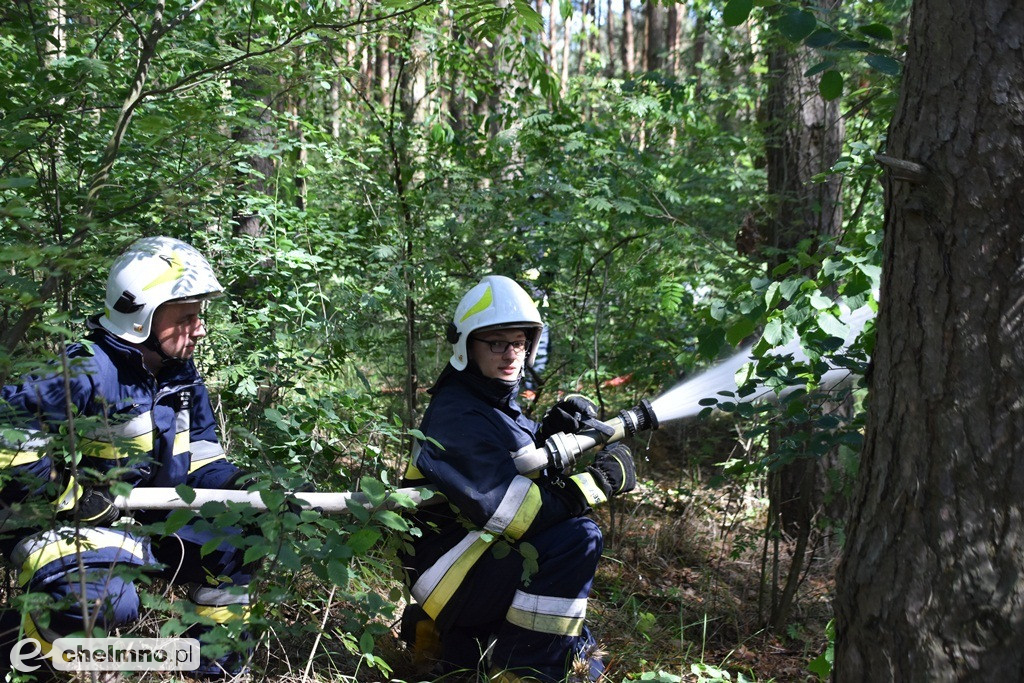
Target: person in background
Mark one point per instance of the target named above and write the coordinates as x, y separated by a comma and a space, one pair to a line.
502, 573
129, 400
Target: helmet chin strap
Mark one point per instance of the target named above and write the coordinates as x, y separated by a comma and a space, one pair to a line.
153, 344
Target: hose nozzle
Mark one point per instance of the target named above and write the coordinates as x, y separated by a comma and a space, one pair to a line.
563, 449
638, 418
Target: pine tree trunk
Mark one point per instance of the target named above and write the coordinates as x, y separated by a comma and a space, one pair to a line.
628, 40
929, 587
803, 138
609, 25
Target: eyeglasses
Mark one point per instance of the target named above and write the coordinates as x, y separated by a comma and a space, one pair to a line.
501, 346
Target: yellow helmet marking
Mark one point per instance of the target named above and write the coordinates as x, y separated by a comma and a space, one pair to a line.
175, 269
482, 305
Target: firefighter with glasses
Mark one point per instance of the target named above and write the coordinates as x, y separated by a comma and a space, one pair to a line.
502, 573
129, 404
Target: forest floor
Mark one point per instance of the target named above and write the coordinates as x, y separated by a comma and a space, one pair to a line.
679, 594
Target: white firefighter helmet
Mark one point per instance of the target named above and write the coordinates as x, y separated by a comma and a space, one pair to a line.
151, 272
497, 302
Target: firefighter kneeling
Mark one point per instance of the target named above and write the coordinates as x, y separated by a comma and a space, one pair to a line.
504, 571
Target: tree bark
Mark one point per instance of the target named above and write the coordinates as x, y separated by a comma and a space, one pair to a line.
609, 27
652, 38
628, 40
803, 138
929, 587
672, 40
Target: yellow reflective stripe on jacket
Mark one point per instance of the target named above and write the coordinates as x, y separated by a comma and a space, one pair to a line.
544, 614
203, 453
412, 472
182, 432
116, 441
225, 613
49, 546
436, 586
517, 510
13, 458
34, 632
120, 449
24, 449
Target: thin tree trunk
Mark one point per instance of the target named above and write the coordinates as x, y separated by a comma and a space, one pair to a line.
672, 40
552, 35
566, 44
803, 138
609, 25
628, 40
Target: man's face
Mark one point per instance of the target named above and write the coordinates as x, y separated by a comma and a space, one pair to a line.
178, 328
507, 363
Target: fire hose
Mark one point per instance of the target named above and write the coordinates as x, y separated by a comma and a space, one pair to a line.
560, 451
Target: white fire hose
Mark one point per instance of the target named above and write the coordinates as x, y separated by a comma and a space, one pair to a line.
157, 498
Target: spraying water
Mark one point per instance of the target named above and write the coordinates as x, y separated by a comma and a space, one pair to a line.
683, 400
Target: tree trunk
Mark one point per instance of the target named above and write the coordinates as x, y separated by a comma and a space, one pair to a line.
586, 21
566, 45
628, 40
552, 36
652, 46
803, 138
700, 39
672, 40
609, 25
929, 587
257, 130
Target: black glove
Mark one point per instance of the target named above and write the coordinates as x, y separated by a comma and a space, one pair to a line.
613, 470
95, 508
241, 481
571, 414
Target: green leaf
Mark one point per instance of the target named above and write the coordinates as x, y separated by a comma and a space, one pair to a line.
797, 24
339, 573
176, 520
876, 31
821, 38
775, 332
186, 493
886, 65
366, 643
821, 66
736, 12
391, 519
831, 85
374, 489
363, 540
739, 331
773, 295
832, 325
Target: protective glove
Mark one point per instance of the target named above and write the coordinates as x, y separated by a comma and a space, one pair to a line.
613, 470
241, 481
572, 414
95, 507
611, 474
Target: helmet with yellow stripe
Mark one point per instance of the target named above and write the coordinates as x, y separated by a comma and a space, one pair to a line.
496, 303
151, 272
